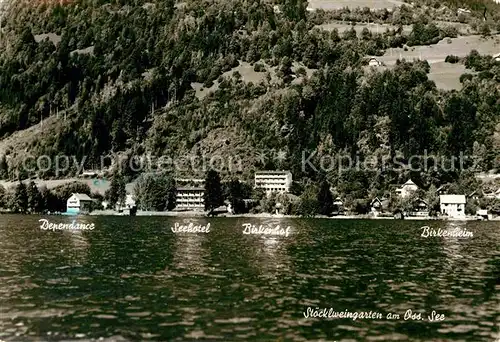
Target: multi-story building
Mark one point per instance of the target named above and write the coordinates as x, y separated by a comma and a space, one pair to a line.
190, 198
273, 181
407, 189
452, 205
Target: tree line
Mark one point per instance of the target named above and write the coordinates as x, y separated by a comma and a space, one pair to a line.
132, 93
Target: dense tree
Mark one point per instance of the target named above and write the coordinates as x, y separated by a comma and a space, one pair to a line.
20, 199
116, 193
34, 198
4, 170
325, 199
213, 191
309, 205
3, 198
236, 196
155, 192
134, 91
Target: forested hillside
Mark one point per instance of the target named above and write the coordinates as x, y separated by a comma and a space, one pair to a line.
111, 76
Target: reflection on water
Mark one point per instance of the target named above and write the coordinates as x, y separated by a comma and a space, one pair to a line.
133, 279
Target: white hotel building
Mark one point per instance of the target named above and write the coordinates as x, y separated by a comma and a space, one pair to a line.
190, 198
453, 205
273, 181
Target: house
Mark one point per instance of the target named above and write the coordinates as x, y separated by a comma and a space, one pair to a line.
475, 195
378, 206
420, 208
338, 207
452, 205
190, 181
190, 198
374, 62
88, 174
442, 189
407, 189
497, 56
463, 11
482, 214
273, 181
79, 203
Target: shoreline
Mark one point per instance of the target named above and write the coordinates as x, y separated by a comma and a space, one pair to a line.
202, 214
268, 215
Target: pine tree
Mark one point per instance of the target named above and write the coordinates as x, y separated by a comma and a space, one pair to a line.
20, 203
2, 197
116, 193
45, 198
309, 205
236, 196
325, 199
4, 169
213, 191
34, 198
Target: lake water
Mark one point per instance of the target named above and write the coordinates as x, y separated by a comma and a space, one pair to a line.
133, 279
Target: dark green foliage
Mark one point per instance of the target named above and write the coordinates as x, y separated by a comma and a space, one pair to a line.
452, 59
155, 192
295, 10
465, 77
236, 196
3, 197
461, 113
35, 204
296, 188
361, 206
484, 29
309, 205
116, 193
134, 92
325, 199
259, 67
423, 34
213, 191
20, 200
4, 170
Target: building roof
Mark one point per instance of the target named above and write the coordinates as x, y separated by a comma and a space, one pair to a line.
82, 197
452, 199
409, 182
475, 192
272, 172
442, 187
422, 203
189, 180
190, 188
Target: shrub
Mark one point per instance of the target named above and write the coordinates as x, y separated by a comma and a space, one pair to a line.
485, 30
465, 77
259, 67
452, 59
